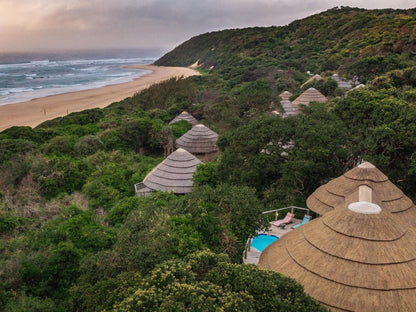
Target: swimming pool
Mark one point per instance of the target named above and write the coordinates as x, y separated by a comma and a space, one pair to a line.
261, 241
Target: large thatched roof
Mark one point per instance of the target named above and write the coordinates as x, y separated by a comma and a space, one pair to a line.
338, 192
285, 95
357, 257
172, 174
199, 140
308, 96
314, 77
185, 116
289, 108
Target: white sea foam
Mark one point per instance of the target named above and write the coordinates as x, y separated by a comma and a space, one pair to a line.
23, 81
17, 95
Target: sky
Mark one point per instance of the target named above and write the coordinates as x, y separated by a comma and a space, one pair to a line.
31, 25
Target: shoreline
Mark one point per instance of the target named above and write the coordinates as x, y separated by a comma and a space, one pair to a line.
36, 111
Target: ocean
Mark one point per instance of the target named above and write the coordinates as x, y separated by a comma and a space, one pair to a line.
26, 76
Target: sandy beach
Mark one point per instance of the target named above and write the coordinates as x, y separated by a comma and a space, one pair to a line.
36, 111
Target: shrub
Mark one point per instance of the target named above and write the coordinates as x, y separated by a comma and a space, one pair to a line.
8, 221
23, 133
60, 145
88, 145
206, 174
13, 147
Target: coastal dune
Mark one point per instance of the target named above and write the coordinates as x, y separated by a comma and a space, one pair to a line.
36, 111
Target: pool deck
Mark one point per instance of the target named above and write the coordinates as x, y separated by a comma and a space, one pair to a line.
253, 255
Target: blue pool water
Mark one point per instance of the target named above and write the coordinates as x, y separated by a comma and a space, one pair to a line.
261, 241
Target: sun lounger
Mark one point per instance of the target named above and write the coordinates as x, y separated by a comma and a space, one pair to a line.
287, 219
305, 220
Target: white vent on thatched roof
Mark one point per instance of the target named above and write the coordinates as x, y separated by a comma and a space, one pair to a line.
364, 182
360, 255
364, 207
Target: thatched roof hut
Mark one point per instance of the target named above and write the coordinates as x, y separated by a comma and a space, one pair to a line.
172, 174
185, 116
337, 192
285, 95
310, 95
344, 84
199, 140
314, 77
289, 109
357, 257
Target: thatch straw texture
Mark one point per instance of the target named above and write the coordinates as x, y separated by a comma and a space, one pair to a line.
343, 84
142, 190
289, 108
341, 190
351, 261
314, 77
199, 140
172, 174
185, 116
285, 95
310, 95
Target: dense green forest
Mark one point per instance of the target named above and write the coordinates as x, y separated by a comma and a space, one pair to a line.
356, 42
73, 237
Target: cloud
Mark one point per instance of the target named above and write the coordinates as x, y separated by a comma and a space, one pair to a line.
147, 23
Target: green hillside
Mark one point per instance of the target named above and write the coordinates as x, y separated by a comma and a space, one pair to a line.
354, 41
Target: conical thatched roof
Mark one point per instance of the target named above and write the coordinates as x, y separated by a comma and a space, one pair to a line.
357, 257
184, 116
314, 77
199, 140
308, 96
172, 174
289, 108
285, 95
337, 192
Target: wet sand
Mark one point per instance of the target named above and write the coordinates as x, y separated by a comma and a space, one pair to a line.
36, 111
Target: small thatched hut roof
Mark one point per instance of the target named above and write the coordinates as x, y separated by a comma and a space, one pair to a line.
310, 95
285, 95
314, 77
337, 192
344, 84
357, 257
199, 140
185, 116
172, 174
289, 108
